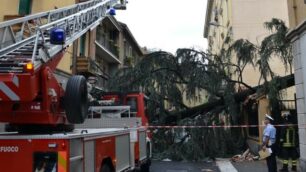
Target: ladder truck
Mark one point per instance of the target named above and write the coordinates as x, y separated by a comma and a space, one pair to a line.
43, 113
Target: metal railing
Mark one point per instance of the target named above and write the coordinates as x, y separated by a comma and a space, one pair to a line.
110, 45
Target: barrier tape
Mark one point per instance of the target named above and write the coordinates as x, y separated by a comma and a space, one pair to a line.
223, 126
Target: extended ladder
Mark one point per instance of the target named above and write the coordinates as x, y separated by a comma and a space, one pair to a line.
27, 39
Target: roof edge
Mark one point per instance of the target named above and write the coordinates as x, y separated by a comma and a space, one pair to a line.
296, 31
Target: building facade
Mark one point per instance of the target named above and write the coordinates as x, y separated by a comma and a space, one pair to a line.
243, 19
298, 38
115, 48
297, 13
231, 20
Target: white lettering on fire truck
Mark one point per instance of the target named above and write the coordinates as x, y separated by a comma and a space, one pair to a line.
9, 149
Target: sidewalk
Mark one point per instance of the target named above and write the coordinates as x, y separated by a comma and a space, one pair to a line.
174, 166
254, 166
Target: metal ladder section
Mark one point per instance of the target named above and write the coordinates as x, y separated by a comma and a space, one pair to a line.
110, 117
108, 111
27, 39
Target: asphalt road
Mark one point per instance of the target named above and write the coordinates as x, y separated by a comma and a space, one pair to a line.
165, 166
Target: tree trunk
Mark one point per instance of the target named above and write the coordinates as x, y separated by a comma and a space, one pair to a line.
239, 97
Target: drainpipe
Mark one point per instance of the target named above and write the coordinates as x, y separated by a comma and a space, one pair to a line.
74, 57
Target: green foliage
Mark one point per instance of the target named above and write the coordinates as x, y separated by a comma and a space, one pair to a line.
275, 45
164, 76
246, 52
197, 143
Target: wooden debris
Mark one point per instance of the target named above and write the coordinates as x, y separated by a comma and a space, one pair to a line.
246, 156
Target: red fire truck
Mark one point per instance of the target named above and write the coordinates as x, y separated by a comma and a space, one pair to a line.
43, 114
112, 138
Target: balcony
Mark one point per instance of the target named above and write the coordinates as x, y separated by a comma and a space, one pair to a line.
109, 52
88, 67
109, 45
129, 61
82, 64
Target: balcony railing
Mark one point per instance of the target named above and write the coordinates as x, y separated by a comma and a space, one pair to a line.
82, 65
86, 65
114, 48
109, 44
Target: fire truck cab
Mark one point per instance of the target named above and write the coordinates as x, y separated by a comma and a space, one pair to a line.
124, 111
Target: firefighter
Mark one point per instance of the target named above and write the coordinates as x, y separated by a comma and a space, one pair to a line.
288, 143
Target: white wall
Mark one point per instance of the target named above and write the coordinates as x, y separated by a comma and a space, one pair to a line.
299, 54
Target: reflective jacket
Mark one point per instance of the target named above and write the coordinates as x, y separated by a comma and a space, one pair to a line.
288, 137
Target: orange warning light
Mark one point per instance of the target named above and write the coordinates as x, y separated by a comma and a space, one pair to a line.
29, 66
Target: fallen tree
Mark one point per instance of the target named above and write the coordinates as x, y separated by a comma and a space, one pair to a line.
172, 80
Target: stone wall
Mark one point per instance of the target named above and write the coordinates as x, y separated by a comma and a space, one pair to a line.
299, 53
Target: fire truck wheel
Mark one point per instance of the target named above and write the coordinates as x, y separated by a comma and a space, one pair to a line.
145, 167
105, 168
76, 99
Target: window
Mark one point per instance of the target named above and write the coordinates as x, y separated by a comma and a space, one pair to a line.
82, 45
25, 7
252, 112
222, 35
221, 11
216, 13
132, 102
127, 49
130, 51
124, 48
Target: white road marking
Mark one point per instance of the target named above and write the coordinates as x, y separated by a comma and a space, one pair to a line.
225, 166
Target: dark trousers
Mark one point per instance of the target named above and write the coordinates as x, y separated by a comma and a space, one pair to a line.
271, 160
288, 153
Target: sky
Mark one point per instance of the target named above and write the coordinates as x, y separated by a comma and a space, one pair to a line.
166, 24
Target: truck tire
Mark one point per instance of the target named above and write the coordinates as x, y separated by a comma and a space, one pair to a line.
76, 99
145, 167
105, 168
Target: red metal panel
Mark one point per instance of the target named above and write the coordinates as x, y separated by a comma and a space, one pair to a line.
136, 150
141, 111
24, 86
17, 155
39, 96
105, 148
